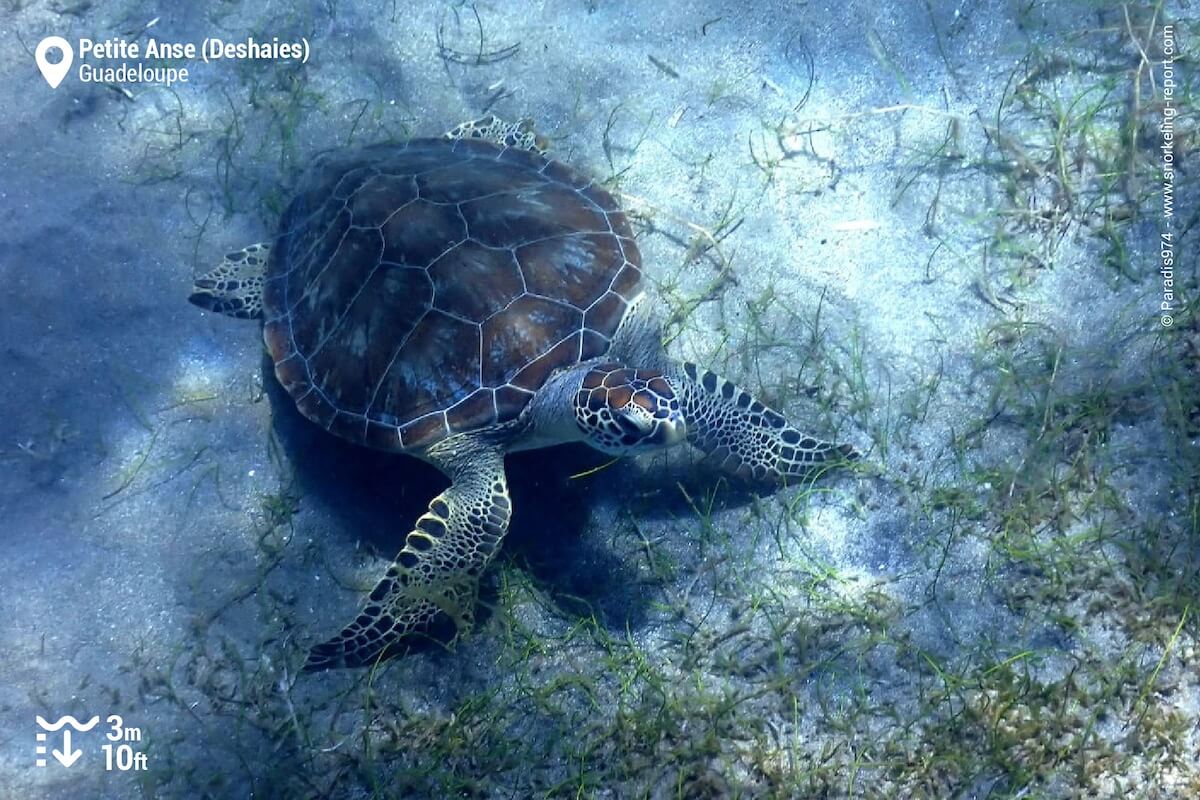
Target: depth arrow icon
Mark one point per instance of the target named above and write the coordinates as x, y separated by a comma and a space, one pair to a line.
65, 756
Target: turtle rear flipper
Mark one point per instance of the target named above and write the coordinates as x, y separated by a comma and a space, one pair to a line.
234, 287
491, 128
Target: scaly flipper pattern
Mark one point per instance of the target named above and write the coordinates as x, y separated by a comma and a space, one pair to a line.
235, 286
436, 575
747, 438
509, 134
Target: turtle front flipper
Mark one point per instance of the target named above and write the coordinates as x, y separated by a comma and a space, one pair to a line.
435, 577
746, 437
234, 287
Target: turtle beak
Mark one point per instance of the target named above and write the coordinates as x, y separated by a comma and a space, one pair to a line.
671, 431
654, 431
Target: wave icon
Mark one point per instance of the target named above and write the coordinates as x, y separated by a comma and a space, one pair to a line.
67, 720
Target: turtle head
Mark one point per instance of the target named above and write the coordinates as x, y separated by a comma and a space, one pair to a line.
623, 411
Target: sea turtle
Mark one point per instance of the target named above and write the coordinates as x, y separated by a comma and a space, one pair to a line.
463, 297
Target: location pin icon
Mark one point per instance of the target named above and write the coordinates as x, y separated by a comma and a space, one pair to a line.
54, 73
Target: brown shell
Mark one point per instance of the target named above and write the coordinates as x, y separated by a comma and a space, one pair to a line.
428, 288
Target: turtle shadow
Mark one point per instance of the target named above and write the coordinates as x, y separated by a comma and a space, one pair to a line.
377, 497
